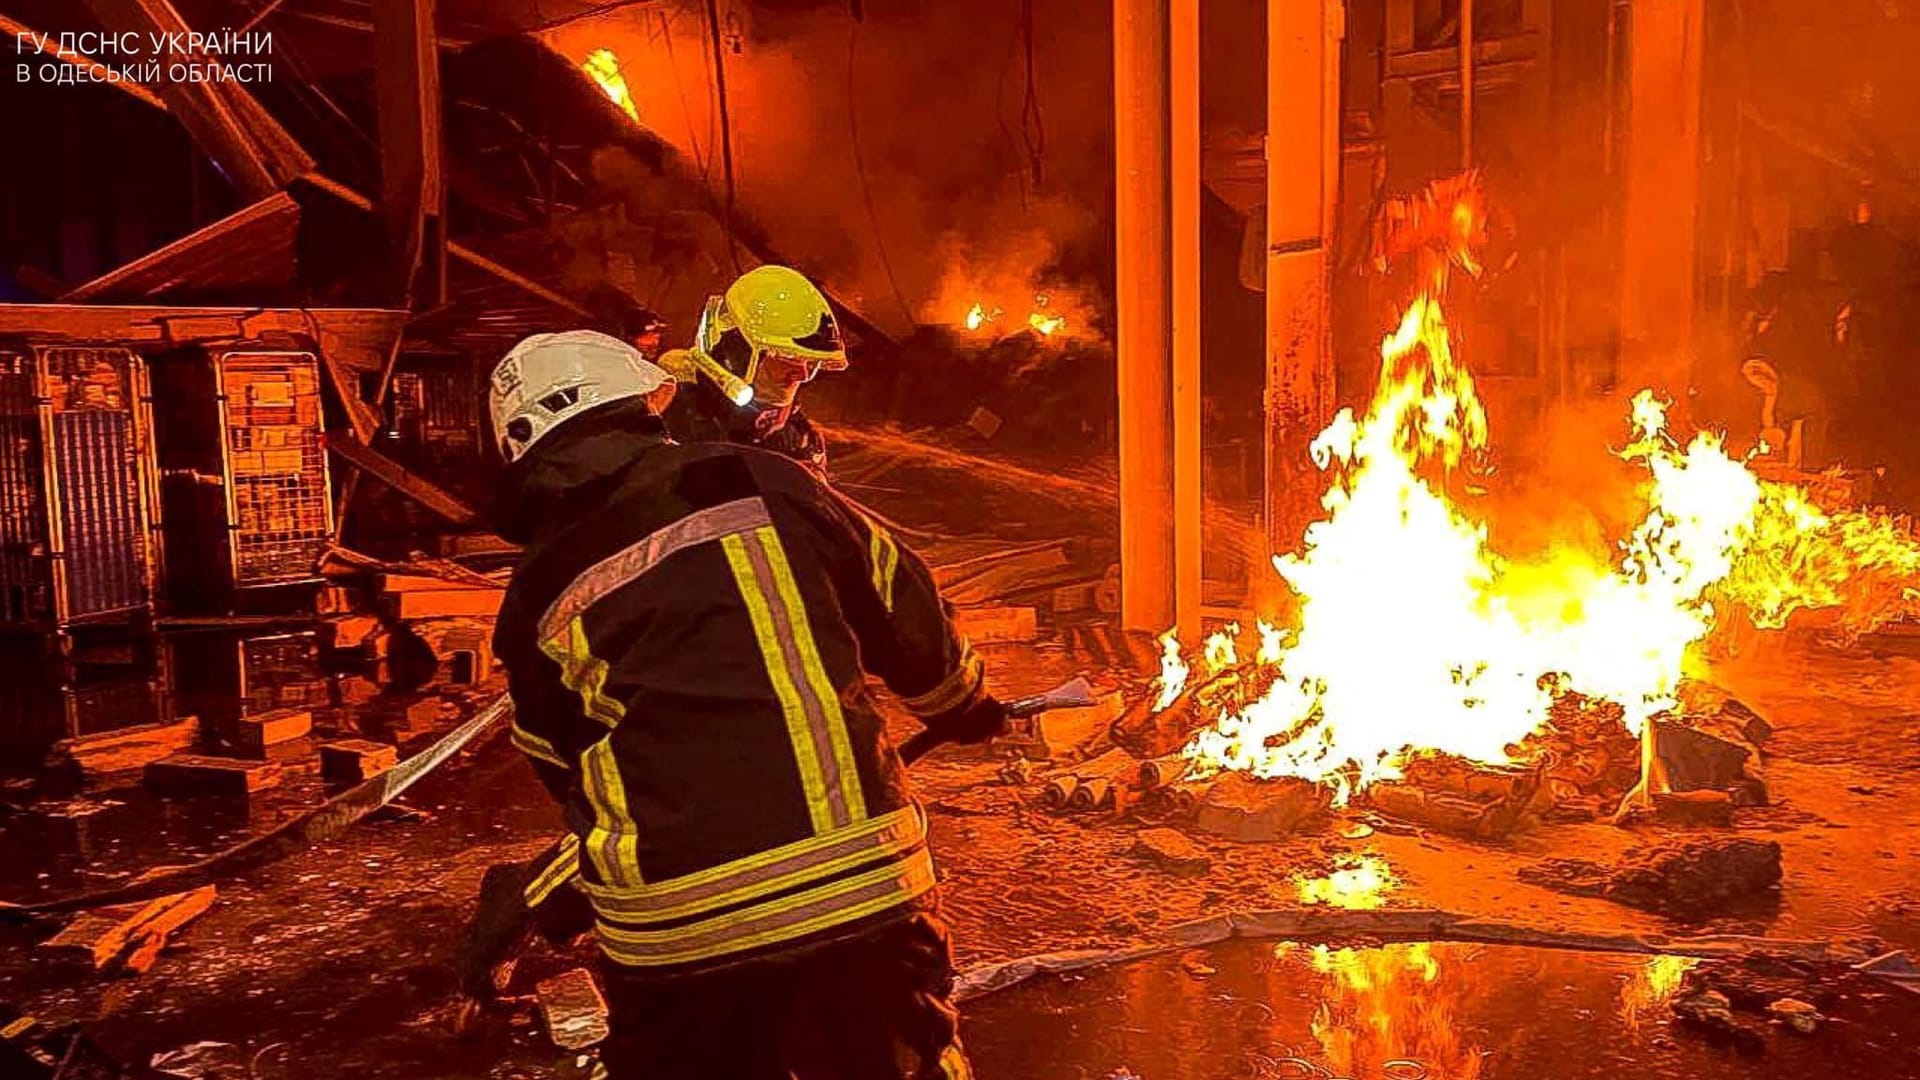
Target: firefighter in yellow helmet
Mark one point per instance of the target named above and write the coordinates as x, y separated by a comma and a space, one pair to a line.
769, 334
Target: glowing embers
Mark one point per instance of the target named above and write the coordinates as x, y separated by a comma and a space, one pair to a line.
603, 67
1042, 320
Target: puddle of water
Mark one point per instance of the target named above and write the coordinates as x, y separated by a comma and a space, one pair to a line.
1398, 1012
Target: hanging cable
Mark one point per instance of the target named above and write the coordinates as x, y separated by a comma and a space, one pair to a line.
1033, 129
726, 127
700, 156
1000, 113
860, 170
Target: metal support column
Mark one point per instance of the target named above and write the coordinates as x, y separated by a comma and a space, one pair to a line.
1303, 161
1184, 95
1466, 84
412, 183
1143, 303
1657, 266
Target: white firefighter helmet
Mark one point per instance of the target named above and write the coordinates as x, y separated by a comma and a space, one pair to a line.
548, 379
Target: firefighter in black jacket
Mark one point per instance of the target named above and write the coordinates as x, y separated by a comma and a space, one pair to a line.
685, 643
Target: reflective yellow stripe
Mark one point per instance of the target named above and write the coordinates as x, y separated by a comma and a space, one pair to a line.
582, 672
953, 1062
16, 1027
613, 842
775, 921
954, 690
774, 654
565, 864
796, 865
884, 558
816, 674
534, 746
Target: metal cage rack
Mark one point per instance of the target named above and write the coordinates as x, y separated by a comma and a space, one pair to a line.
76, 478
279, 506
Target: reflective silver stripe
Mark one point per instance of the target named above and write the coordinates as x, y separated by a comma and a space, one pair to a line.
782, 919
628, 564
784, 868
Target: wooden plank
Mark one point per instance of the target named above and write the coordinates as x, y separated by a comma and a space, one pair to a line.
350, 761
446, 603
188, 775
158, 324
266, 226
460, 252
124, 750
253, 151
406, 75
396, 476
261, 730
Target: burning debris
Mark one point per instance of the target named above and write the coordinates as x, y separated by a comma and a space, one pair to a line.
603, 67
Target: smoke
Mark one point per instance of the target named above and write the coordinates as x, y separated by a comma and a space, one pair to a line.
878, 154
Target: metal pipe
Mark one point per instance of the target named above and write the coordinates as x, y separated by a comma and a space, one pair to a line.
1466, 84
1184, 95
1143, 312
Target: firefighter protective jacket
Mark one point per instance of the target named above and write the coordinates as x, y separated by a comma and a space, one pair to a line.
685, 644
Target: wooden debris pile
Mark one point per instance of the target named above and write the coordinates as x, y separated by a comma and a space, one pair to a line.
1578, 766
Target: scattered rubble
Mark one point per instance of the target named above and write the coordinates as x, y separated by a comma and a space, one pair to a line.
1694, 877
997, 625
1172, 851
573, 1010
1460, 797
1710, 1014
1239, 807
128, 937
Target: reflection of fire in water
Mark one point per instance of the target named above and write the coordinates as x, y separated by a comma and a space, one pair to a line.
1386, 1013
1357, 883
1413, 633
603, 66
1652, 986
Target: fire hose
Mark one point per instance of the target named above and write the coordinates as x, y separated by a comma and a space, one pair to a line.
341, 812
514, 897
323, 822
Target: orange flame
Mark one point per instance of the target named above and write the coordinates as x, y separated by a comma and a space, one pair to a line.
603, 67
1655, 984
1413, 633
1357, 883
1048, 325
1386, 1011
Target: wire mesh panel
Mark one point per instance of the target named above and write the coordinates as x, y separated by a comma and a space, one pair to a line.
73, 520
280, 510
26, 580
96, 480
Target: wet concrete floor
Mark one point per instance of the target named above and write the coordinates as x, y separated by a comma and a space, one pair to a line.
1400, 1012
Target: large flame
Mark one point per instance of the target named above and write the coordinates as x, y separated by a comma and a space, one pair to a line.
1413, 634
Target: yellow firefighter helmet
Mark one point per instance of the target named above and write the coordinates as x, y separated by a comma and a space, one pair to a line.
772, 330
